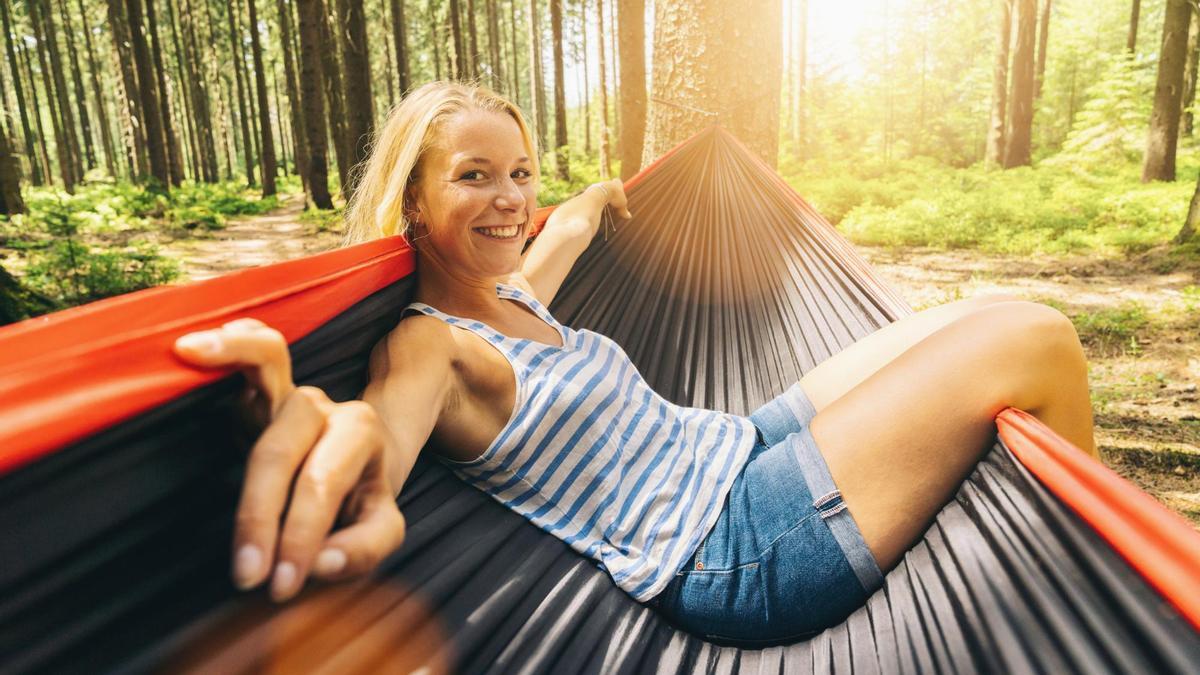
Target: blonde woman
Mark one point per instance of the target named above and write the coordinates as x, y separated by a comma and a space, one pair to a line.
767, 527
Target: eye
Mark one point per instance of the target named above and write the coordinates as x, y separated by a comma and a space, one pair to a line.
522, 173
471, 175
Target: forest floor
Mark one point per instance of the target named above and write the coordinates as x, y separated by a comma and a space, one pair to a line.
1139, 319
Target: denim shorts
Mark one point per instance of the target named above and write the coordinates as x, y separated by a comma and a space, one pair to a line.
785, 559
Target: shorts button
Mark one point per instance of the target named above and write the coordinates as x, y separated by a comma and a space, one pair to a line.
699, 565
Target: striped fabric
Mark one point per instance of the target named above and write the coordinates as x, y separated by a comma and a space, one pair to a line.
595, 457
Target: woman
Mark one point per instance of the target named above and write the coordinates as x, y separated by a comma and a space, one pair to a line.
761, 528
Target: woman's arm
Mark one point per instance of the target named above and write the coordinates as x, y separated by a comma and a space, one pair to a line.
567, 233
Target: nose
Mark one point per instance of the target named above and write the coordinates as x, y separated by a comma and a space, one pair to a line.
508, 195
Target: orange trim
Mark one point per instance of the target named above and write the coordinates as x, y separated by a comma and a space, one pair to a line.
1159, 544
72, 373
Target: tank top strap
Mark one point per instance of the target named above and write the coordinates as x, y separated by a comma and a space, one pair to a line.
507, 291
478, 327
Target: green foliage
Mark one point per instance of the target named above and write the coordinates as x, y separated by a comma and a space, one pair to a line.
323, 220
1049, 209
72, 273
1112, 330
1112, 125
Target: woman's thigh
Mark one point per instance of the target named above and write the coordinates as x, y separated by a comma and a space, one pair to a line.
841, 372
900, 442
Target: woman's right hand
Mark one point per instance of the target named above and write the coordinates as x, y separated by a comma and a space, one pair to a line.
317, 463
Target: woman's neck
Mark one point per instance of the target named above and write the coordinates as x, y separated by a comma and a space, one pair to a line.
453, 291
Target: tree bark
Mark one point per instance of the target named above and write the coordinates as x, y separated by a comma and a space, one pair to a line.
311, 94
1134, 14
460, 57
332, 78
435, 37
400, 40
562, 167
110, 160
1190, 226
1018, 151
605, 165
283, 146
35, 167
1163, 138
996, 131
515, 69
1043, 42
191, 145
174, 159
201, 116
239, 59
388, 70
494, 60
631, 20
472, 41
85, 122
537, 97
11, 201
295, 108
587, 104
1189, 74
734, 81
152, 113
360, 106
264, 109
47, 171
53, 83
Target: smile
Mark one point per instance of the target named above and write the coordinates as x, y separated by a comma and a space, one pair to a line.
503, 232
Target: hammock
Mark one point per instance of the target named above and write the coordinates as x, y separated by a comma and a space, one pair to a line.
118, 478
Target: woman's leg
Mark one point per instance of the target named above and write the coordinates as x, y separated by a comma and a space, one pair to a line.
841, 372
900, 442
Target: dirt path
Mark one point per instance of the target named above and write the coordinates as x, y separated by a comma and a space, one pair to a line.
1141, 329
250, 241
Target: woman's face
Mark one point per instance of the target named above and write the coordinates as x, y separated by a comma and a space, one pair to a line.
475, 194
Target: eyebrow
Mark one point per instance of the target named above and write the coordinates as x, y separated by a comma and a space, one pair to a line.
484, 160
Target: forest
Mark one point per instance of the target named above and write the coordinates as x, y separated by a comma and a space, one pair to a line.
963, 146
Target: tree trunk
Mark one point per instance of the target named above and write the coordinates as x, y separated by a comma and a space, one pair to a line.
47, 171
587, 104
213, 71
52, 82
1189, 74
10, 179
605, 165
283, 146
201, 117
190, 148
734, 82
562, 168
311, 94
1018, 151
632, 24
472, 41
332, 78
996, 130
494, 60
152, 114
515, 69
360, 106
264, 109
97, 94
399, 30
1192, 224
460, 57
1134, 14
239, 60
389, 71
1043, 42
435, 37
1163, 137
135, 133
35, 167
85, 122
537, 95
612, 67
296, 109
174, 159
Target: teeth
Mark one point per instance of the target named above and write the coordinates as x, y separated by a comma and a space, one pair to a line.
501, 232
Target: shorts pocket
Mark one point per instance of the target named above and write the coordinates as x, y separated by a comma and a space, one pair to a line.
721, 604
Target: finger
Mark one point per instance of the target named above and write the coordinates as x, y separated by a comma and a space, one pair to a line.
331, 469
261, 352
360, 548
273, 462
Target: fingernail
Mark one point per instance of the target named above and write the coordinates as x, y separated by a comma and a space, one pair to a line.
246, 566
204, 343
330, 561
284, 582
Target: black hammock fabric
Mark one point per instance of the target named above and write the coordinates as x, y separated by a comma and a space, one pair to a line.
724, 290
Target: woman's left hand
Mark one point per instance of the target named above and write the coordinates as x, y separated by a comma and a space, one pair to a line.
583, 211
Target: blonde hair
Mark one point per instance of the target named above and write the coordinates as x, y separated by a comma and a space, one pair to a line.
377, 207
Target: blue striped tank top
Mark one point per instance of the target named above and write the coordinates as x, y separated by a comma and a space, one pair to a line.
592, 455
